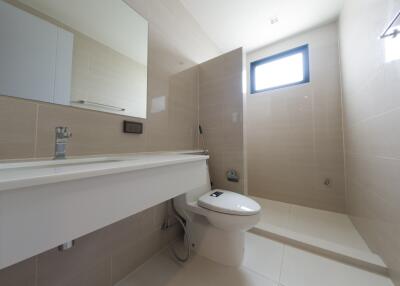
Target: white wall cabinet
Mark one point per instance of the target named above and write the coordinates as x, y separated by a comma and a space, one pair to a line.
35, 57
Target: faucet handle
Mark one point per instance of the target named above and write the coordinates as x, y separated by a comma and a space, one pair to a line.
67, 134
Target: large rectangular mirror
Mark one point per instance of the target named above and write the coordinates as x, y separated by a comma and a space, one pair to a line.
85, 53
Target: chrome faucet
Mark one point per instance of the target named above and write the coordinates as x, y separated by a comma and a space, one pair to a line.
62, 135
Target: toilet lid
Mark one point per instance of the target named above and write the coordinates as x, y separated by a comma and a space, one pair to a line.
229, 203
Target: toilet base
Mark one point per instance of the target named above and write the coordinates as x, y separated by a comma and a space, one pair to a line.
224, 247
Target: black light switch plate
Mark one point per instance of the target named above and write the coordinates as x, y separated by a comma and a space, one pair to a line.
133, 127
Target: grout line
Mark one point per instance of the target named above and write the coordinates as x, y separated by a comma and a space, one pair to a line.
56, 60
111, 269
253, 272
36, 282
342, 116
281, 266
36, 131
156, 254
290, 220
382, 113
199, 136
369, 157
281, 261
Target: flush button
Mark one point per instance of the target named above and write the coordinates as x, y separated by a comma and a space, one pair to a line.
216, 194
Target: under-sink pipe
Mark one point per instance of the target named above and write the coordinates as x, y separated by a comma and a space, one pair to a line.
183, 223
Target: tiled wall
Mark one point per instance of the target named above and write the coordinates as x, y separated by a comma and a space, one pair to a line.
27, 129
371, 97
171, 124
221, 117
294, 135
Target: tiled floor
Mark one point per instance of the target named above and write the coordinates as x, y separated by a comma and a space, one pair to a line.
323, 230
266, 263
324, 225
269, 262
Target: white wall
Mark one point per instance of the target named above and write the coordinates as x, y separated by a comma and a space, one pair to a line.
294, 134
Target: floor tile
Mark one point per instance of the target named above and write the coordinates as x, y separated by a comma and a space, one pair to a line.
329, 226
267, 262
274, 212
301, 268
162, 270
263, 256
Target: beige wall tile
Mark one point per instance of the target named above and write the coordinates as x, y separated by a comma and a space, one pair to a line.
294, 135
21, 274
18, 128
371, 130
221, 117
98, 275
61, 268
92, 132
131, 256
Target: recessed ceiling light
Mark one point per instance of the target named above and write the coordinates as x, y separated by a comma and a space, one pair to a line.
273, 20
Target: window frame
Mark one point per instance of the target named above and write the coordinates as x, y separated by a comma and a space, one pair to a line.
304, 49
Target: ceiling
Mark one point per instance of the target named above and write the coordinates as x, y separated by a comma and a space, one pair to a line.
247, 23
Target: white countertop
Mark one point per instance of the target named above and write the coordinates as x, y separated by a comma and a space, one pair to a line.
21, 174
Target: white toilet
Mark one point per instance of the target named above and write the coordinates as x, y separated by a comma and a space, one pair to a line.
217, 221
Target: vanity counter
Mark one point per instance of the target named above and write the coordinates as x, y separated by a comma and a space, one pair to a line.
44, 204
15, 175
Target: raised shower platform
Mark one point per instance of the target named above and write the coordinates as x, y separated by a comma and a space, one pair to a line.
322, 232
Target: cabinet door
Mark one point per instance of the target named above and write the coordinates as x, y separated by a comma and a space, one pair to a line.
29, 56
63, 77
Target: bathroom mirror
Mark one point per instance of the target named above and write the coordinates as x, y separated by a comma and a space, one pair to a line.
89, 54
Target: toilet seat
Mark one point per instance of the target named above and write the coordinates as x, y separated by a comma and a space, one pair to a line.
230, 203
217, 221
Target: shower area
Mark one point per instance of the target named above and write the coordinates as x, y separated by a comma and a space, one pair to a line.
296, 157
321, 157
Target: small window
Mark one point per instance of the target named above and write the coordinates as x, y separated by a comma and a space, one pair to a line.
282, 70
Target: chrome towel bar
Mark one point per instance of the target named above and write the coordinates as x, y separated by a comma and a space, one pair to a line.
86, 102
